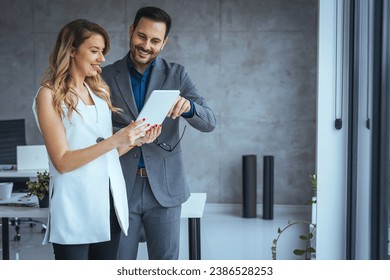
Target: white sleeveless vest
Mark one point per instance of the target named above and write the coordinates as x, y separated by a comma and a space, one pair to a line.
79, 199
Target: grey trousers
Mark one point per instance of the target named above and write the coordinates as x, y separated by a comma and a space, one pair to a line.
161, 225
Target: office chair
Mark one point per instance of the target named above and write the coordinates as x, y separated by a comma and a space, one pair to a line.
32, 223
12, 134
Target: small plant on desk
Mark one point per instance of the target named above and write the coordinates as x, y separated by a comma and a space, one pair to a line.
39, 187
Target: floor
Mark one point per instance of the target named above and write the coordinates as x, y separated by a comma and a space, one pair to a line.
225, 235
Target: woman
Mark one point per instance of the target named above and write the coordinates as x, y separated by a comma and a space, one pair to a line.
88, 201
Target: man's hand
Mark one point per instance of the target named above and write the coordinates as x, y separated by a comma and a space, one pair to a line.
181, 106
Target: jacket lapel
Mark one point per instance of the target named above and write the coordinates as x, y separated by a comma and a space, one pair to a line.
123, 81
157, 77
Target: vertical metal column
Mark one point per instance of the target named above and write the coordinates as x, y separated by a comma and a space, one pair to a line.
268, 187
380, 133
194, 238
5, 234
249, 182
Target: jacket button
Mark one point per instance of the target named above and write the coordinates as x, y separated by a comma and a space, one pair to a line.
135, 155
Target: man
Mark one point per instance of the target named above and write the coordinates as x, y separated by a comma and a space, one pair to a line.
154, 173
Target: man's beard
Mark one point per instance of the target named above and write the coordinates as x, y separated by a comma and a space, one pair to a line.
136, 58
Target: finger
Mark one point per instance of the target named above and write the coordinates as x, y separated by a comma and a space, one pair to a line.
152, 134
185, 107
135, 134
173, 106
158, 131
137, 123
140, 129
178, 108
142, 139
147, 133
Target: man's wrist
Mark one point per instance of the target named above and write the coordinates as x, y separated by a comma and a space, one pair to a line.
190, 113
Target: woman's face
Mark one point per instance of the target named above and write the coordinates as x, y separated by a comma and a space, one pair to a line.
89, 56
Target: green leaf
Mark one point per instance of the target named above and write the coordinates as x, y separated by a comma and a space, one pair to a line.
40, 187
311, 250
303, 237
299, 252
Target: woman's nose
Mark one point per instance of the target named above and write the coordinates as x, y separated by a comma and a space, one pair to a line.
101, 57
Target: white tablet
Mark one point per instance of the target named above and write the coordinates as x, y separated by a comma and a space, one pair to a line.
158, 105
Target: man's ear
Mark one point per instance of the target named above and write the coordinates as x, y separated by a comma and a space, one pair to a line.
164, 43
131, 30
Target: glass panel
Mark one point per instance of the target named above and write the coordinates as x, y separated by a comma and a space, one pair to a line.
386, 88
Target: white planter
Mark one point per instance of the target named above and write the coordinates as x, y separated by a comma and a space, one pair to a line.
314, 210
313, 242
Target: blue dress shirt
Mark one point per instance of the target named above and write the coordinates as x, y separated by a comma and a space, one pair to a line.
139, 83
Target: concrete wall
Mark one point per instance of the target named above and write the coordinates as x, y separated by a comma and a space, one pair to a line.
255, 61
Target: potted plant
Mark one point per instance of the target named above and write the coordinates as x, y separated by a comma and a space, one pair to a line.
308, 252
40, 188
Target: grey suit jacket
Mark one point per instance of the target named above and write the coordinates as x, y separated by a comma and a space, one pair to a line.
165, 169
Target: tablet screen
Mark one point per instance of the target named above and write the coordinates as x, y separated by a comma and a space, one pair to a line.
158, 105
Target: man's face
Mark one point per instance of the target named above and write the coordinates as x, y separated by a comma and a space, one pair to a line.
146, 42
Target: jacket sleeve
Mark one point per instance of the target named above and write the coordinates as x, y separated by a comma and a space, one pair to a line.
204, 118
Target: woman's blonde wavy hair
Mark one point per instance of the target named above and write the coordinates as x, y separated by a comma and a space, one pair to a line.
57, 77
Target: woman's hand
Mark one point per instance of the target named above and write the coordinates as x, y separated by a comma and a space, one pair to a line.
144, 137
131, 135
152, 133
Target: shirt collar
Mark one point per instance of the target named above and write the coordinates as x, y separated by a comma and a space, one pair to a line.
131, 65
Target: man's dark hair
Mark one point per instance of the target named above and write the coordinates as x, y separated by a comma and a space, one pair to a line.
155, 14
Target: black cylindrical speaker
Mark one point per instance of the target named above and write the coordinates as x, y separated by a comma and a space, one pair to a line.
249, 186
268, 188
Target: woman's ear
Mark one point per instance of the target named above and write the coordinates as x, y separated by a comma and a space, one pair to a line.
72, 52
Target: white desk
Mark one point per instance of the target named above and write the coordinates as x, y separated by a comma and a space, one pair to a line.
19, 173
7, 212
192, 209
